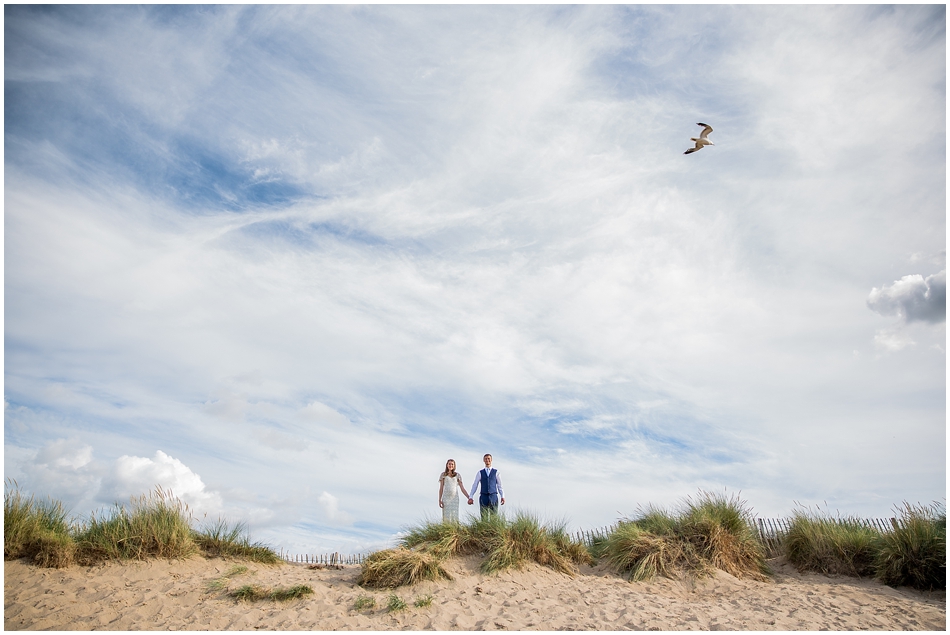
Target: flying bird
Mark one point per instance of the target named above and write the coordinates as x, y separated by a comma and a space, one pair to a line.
702, 140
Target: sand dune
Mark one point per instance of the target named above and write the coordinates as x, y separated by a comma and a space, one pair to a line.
174, 595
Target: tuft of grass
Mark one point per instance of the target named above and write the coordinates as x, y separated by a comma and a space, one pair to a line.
712, 531
292, 593
721, 532
424, 601
224, 539
640, 554
238, 569
441, 539
364, 602
36, 529
817, 541
251, 593
915, 554
505, 543
391, 568
524, 539
395, 603
219, 584
153, 525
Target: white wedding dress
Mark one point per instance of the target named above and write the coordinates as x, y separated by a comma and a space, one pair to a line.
450, 498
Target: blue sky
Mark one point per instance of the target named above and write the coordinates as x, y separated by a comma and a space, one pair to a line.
287, 260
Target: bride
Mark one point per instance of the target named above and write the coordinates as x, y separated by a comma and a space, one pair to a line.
449, 484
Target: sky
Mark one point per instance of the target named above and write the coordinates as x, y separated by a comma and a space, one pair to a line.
286, 261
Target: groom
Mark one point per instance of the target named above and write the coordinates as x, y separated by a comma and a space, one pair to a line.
490, 482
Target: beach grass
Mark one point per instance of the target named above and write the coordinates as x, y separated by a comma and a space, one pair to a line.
395, 603
253, 593
391, 568
514, 543
423, 601
640, 554
915, 553
817, 541
224, 539
219, 584
364, 602
36, 529
441, 539
710, 531
154, 525
504, 543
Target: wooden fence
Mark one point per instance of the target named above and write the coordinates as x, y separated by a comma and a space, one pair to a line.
326, 559
771, 532
590, 536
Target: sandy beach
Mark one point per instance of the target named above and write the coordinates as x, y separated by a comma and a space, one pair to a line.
175, 595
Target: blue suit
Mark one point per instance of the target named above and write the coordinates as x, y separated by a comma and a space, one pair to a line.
488, 498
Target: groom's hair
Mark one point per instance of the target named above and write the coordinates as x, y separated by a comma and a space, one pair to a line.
487, 455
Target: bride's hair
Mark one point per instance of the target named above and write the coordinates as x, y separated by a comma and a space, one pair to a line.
447, 472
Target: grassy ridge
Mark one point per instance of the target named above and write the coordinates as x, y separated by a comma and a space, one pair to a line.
705, 533
913, 554
502, 542
152, 525
709, 532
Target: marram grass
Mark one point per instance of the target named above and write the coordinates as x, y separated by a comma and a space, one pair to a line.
153, 525
253, 593
391, 568
364, 602
223, 539
395, 603
912, 554
502, 542
817, 541
915, 554
149, 526
36, 529
710, 532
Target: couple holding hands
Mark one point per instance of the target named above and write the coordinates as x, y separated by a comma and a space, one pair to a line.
450, 482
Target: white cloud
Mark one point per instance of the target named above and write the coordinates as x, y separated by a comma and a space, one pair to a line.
65, 470
913, 298
63, 454
322, 413
331, 507
892, 340
280, 440
227, 405
136, 475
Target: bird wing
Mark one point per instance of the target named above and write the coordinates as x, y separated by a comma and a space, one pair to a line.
698, 147
706, 130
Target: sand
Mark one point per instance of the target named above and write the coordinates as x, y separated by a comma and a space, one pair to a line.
174, 595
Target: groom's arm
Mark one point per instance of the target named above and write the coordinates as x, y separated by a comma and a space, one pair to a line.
471, 492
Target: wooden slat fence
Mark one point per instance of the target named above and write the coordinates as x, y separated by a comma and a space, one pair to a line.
329, 559
771, 532
590, 536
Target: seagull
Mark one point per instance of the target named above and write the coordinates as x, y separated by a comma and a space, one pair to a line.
702, 140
